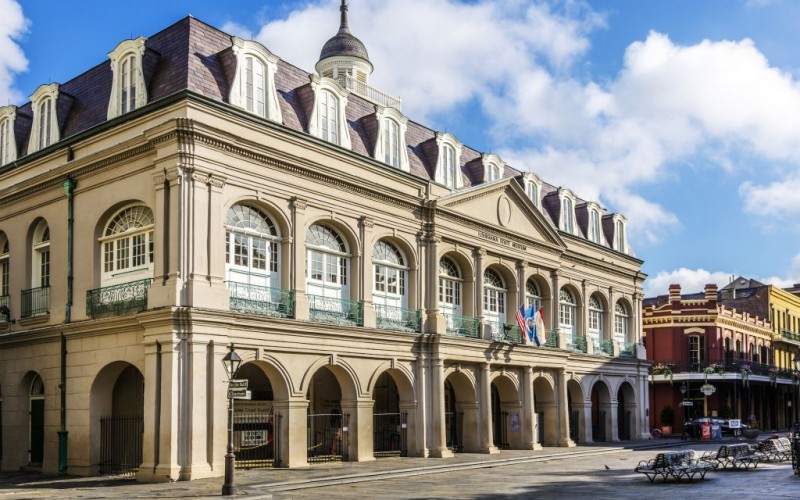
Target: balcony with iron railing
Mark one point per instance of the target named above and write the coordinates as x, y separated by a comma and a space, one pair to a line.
577, 343
398, 318
627, 349
335, 311
368, 92
463, 326
261, 300
35, 302
790, 336
603, 347
721, 367
504, 332
5, 316
118, 300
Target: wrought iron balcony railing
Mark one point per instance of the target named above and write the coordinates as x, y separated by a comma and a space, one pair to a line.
463, 326
398, 318
577, 343
118, 300
505, 332
336, 311
627, 349
790, 335
603, 347
35, 302
712, 367
4, 317
552, 338
261, 300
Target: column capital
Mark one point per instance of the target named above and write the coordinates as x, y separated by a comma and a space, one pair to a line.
299, 204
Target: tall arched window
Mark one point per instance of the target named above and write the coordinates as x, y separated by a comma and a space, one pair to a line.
494, 297
566, 214
596, 319
328, 117
4, 269
620, 241
449, 166
251, 247
327, 261
594, 226
45, 119
128, 246
7, 148
128, 82
621, 318
566, 313
41, 256
533, 297
532, 190
391, 142
254, 84
494, 172
450, 283
390, 270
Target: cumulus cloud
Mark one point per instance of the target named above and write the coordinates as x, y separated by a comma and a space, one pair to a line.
13, 26
775, 199
690, 280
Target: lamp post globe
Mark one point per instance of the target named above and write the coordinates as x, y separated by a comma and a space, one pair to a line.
683, 404
231, 362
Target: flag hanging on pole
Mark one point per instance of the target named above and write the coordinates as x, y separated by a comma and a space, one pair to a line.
521, 322
539, 328
530, 323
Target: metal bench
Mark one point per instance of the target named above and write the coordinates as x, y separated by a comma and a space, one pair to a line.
676, 464
735, 456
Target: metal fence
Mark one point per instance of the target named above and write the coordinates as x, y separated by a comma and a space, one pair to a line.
336, 311
35, 301
261, 300
121, 445
118, 300
328, 437
463, 326
454, 431
389, 434
398, 318
255, 442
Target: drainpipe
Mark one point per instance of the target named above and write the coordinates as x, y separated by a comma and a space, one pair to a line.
69, 188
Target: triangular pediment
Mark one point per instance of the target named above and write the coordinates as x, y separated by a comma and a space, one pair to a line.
502, 206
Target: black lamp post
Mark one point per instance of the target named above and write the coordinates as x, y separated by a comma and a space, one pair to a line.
231, 362
683, 403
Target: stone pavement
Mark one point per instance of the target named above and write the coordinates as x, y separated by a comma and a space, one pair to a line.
598, 470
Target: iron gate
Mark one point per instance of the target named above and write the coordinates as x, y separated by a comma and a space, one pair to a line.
389, 434
255, 442
121, 444
454, 430
327, 437
500, 431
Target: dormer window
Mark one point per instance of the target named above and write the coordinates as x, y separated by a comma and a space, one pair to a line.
328, 118
390, 146
594, 225
391, 142
493, 167
128, 91
567, 217
44, 130
620, 240
448, 161
8, 144
254, 86
328, 111
533, 189
494, 172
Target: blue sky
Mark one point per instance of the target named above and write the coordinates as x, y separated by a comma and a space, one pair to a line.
683, 115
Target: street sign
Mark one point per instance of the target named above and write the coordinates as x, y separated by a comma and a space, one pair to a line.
238, 394
735, 423
238, 383
686, 403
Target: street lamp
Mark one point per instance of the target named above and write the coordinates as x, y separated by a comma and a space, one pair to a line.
231, 362
683, 403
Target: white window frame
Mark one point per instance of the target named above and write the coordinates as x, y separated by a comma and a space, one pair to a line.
621, 323
44, 129
567, 313
620, 236
41, 270
389, 276
493, 167
566, 221
324, 89
118, 249
5, 268
386, 117
450, 286
448, 162
533, 188
596, 318
594, 224
494, 296
533, 295
329, 259
244, 240
127, 78
248, 52
8, 141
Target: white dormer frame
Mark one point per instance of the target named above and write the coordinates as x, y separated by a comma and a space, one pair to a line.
382, 114
123, 77
443, 140
620, 243
594, 223
320, 85
490, 162
566, 217
8, 141
244, 49
531, 182
45, 118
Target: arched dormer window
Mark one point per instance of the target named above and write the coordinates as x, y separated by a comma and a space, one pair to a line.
328, 117
533, 189
621, 322
390, 276
251, 247
448, 164
493, 167
254, 88
596, 319
128, 246
391, 142
44, 130
567, 214
567, 320
594, 225
494, 172
620, 238
128, 89
8, 143
390, 147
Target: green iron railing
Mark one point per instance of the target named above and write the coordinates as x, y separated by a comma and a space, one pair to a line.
35, 301
398, 318
627, 349
604, 347
261, 300
463, 326
4, 317
552, 338
577, 343
118, 300
790, 335
336, 311
504, 332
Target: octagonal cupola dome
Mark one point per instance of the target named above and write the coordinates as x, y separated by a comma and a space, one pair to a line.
344, 55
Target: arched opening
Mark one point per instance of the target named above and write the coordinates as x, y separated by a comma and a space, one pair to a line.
36, 422
117, 416
626, 411
575, 408
393, 396
546, 410
327, 425
461, 413
255, 421
601, 412
392, 287
506, 414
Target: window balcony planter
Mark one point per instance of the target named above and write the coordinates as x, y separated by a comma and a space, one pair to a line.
118, 300
506, 333
463, 326
336, 311
398, 318
261, 300
35, 302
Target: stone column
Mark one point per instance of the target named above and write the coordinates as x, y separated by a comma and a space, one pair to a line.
563, 410
168, 281
359, 428
584, 421
299, 258
290, 430
438, 432
479, 255
612, 420
485, 406
551, 425
366, 225
437, 323
528, 420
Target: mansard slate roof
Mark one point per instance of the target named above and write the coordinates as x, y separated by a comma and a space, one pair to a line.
192, 55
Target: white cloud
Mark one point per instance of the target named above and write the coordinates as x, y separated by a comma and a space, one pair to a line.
775, 199
13, 26
690, 280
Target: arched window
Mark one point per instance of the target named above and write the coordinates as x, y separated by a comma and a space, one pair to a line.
494, 172
532, 190
533, 297
41, 256
389, 265
753, 353
45, 121
254, 84
128, 246
596, 319
391, 142
620, 241
449, 287
328, 116
594, 226
128, 83
566, 214
566, 313
621, 319
494, 298
7, 147
251, 247
327, 261
449, 166
4, 269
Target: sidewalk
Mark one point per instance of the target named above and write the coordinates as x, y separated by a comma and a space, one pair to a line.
261, 483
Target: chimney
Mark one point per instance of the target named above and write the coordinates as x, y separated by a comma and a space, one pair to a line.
674, 294
711, 295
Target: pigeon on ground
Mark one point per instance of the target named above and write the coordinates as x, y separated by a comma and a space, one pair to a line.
607, 467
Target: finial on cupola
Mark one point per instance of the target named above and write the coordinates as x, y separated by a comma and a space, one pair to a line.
343, 27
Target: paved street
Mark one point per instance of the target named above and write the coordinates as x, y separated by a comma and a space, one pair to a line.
582, 472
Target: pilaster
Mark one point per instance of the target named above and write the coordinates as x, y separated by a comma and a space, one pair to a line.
360, 436
485, 405
439, 432
299, 258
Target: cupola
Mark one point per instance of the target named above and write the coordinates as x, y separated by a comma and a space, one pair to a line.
344, 57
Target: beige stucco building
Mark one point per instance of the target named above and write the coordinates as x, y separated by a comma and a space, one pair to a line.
195, 192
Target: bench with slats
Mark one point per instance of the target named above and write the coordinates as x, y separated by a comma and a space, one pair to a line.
735, 456
676, 464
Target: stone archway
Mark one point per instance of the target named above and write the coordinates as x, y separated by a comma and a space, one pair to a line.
393, 418
334, 413
256, 428
461, 413
601, 413
506, 414
546, 410
626, 412
576, 407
